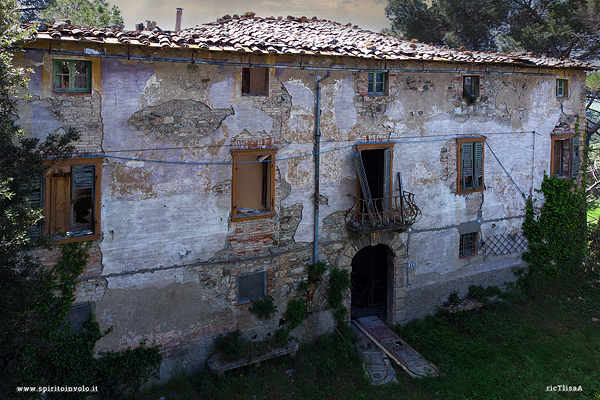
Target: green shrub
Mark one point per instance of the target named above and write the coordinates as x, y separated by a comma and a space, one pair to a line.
295, 313
232, 346
315, 271
264, 308
453, 298
477, 292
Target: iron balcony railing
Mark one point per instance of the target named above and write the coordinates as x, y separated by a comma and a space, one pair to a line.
384, 214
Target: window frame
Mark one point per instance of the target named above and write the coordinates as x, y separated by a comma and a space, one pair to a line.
562, 91
475, 86
459, 183
372, 83
247, 87
96, 162
246, 300
56, 69
562, 137
270, 196
473, 246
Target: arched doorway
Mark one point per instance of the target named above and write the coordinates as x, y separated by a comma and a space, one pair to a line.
371, 267
396, 270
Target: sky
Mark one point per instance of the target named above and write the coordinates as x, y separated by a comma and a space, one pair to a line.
367, 14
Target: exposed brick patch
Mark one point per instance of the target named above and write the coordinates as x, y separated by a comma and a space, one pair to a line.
252, 237
179, 119
82, 112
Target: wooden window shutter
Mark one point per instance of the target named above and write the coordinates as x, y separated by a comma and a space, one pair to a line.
556, 156
387, 192
478, 165
476, 86
58, 200
466, 170
575, 157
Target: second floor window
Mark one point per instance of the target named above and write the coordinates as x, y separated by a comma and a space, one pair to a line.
253, 183
72, 76
255, 81
470, 165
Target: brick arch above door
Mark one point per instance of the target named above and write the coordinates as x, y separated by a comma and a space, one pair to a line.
390, 239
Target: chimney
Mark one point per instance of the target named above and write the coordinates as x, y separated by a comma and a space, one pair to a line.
178, 20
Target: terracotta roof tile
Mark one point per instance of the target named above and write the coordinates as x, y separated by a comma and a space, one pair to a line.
293, 35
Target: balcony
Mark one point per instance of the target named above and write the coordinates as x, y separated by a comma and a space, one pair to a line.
395, 213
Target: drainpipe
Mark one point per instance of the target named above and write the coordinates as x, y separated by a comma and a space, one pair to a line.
318, 162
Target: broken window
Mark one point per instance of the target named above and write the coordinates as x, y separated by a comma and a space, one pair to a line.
70, 194
251, 287
72, 76
470, 87
377, 83
468, 245
77, 317
253, 182
561, 88
565, 156
255, 81
470, 165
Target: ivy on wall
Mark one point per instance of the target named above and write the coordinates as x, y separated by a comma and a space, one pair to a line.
57, 357
556, 233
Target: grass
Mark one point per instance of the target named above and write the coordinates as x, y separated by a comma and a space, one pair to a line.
511, 350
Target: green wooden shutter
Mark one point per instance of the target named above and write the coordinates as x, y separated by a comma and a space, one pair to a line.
575, 157
466, 170
478, 182
33, 190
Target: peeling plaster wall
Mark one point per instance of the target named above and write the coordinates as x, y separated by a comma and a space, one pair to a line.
166, 266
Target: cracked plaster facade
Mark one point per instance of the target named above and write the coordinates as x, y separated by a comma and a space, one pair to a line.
165, 267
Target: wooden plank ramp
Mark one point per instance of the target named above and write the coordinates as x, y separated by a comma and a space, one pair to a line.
396, 348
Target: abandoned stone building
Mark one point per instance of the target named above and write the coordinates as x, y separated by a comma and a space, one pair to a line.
216, 162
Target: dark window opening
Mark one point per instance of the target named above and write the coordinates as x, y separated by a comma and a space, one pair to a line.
255, 81
374, 165
77, 317
468, 245
470, 87
251, 287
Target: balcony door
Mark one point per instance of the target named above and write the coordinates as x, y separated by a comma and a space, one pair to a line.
374, 171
